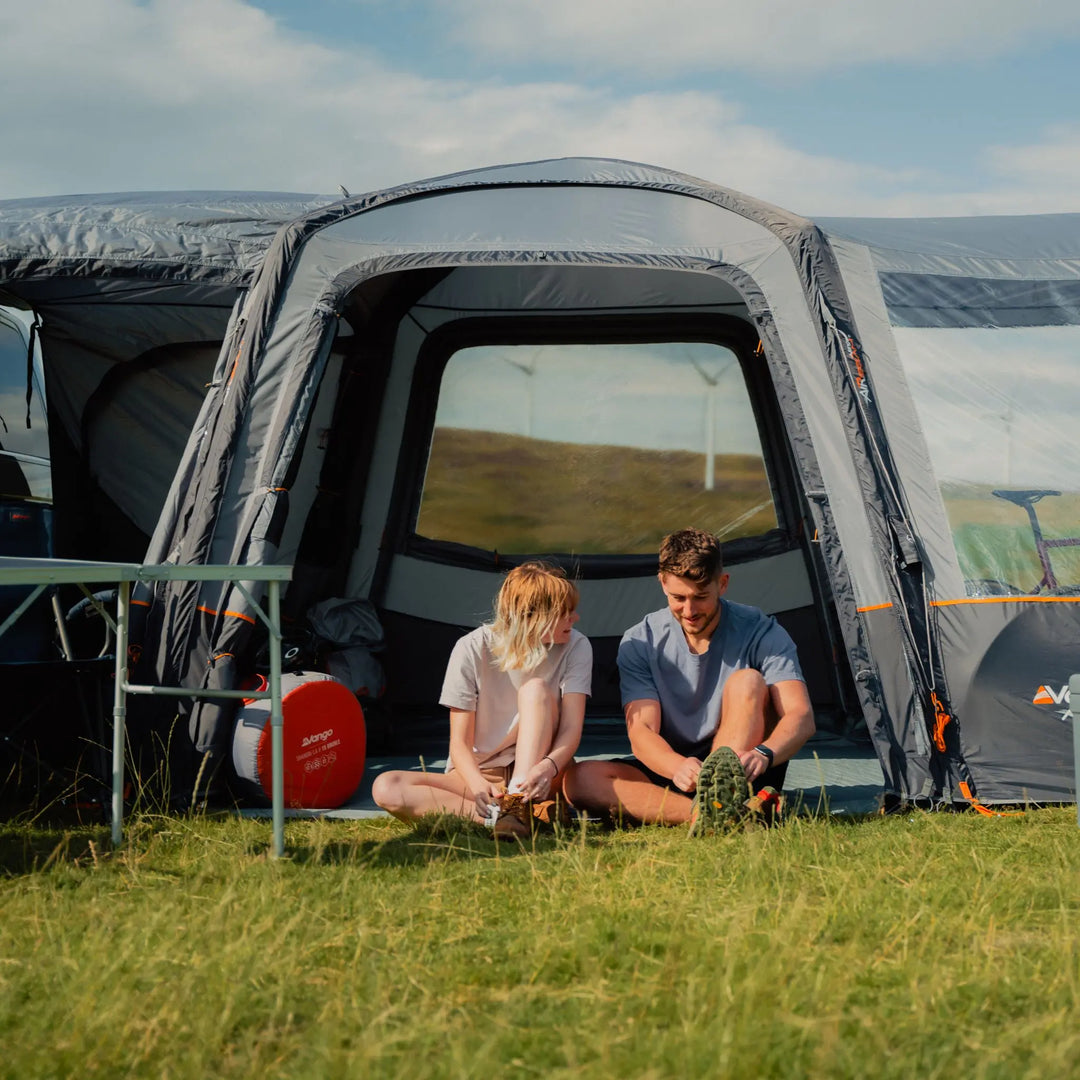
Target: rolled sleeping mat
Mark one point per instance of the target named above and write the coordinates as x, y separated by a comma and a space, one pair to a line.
323, 736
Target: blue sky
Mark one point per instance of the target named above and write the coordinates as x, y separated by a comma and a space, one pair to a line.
839, 107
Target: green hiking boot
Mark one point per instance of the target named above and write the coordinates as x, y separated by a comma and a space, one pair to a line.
722, 793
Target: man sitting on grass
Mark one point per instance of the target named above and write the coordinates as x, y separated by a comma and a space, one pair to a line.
713, 695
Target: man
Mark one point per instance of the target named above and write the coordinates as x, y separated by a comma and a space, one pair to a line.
701, 674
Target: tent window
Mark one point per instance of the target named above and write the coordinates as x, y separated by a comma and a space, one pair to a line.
24, 451
597, 449
1000, 409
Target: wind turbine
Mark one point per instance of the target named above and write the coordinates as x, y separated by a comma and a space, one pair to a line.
711, 383
529, 370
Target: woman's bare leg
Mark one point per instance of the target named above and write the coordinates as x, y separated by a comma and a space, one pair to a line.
410, 795
538, 710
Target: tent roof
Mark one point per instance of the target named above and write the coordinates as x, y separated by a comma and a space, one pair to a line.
1028, 245
208, 233
214, 236
576, 170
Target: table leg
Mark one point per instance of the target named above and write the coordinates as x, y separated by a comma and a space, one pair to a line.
123, 597
277, 719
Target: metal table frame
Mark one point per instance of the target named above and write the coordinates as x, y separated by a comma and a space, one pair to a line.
45, 573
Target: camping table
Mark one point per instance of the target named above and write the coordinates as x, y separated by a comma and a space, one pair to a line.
44, 573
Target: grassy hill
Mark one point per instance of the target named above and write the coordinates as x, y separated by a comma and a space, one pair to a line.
513, 494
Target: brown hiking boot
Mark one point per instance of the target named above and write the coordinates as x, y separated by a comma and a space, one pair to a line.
553, 812
515, 818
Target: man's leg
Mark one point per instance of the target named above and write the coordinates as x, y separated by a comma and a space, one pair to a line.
618, 789
746, 711
747, 717
410, 795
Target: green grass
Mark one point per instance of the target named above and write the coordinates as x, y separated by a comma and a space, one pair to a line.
921, 945
512, 494
994, 540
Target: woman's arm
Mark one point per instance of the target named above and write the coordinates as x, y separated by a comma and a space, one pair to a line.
462, 730
568, 733
564, 744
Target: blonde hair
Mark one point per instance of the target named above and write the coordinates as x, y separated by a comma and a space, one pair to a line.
534, 597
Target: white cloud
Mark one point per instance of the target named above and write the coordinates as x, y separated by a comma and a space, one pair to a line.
778, 35
180, 94
1047, 171
1041, 177
130, 96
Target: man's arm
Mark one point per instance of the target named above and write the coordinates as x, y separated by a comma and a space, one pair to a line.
653, 750
794, 725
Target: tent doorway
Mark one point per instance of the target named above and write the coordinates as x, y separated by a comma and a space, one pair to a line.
582, 438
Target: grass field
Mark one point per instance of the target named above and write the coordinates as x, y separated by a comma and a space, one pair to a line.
509, 493
923, 945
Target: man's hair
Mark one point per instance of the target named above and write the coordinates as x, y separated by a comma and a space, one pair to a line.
693, 554
534, 598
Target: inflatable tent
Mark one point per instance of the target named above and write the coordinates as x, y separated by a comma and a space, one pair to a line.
416, 388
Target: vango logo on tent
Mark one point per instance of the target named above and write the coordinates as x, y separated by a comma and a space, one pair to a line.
1047, 695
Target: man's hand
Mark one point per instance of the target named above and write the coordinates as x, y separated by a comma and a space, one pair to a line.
753, 763
685, 776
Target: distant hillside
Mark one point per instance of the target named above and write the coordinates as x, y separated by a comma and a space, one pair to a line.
515, 494
993, 537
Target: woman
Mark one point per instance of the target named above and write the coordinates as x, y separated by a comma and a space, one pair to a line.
516, 692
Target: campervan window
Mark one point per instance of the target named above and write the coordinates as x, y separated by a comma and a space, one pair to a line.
24, 450
1000, 409
597, 449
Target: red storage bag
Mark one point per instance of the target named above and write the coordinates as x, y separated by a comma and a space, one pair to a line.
323, 736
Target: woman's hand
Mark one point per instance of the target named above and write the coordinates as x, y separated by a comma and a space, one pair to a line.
485, 795
538, 782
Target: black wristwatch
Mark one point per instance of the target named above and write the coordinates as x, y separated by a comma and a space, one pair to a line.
764, 751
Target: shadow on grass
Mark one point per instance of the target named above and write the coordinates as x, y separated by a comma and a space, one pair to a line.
435, 839
34, 846
29, 849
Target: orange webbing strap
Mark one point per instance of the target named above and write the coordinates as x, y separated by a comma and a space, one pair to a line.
941, 720
980, 809
860, 371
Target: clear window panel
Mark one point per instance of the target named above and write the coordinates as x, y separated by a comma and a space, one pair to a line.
1000, 409
593, 449
24, 451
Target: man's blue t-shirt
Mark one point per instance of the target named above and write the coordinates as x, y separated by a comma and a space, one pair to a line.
656, 664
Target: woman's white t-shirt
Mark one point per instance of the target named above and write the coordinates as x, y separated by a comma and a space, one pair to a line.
474, 683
